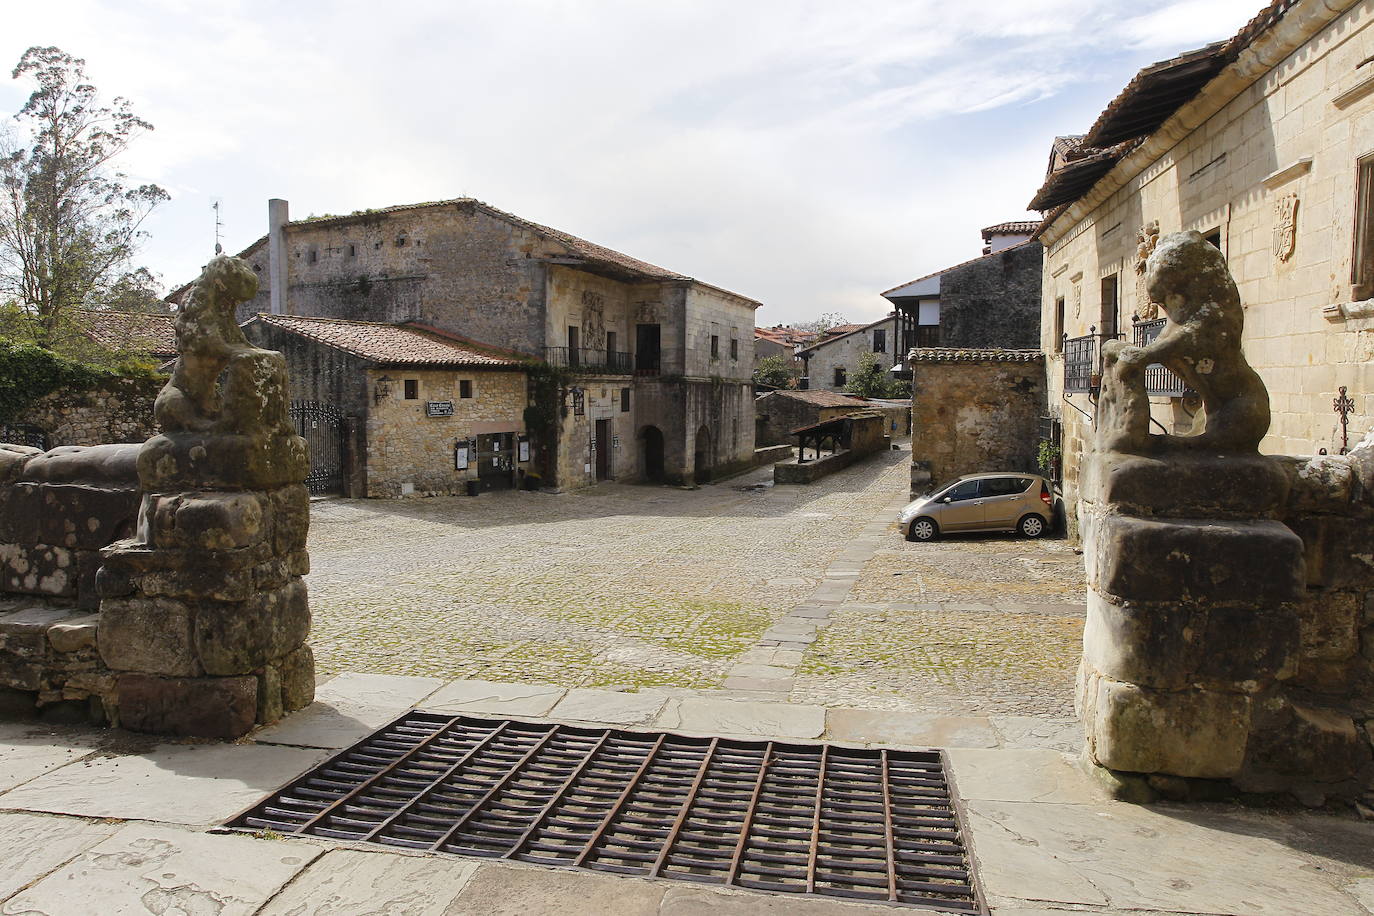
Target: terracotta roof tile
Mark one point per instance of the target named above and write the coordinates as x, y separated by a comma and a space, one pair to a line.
1015, 227
131, 330
392, 344
819, 398
973, 355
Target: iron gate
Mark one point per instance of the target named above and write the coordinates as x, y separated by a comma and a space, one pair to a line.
321, 425
23, 434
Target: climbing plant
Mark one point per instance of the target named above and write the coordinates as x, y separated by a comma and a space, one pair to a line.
28, 372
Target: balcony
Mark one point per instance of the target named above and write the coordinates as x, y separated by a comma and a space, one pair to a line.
1158, 380
583, 359
1081, 369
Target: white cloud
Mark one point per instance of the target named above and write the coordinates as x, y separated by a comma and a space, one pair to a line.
807, 154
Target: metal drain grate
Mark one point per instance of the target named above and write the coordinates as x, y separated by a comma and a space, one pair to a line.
811, 819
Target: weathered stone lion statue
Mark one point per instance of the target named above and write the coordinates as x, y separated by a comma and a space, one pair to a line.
1201, 343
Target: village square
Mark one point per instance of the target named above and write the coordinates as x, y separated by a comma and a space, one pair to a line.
390, 551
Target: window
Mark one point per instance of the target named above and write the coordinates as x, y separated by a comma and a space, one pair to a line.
352, 251
734, 348
610, 342
1109, 324
880, 340
465, 388
312, 255
966, 490
715, 346
1213, 238
840, 377
1362, 261
1005, 486
412, 389
624, 400
574, 354
928, 335
1058, 329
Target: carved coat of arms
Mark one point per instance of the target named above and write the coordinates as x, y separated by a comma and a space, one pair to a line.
1146, 240
1285, 226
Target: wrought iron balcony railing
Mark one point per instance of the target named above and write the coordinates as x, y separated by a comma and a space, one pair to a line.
1158, 380
1083, 361
586, 359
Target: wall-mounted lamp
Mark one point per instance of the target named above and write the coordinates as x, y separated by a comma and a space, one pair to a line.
381, 389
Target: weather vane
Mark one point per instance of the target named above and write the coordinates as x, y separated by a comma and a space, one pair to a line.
219, 249
1343, 405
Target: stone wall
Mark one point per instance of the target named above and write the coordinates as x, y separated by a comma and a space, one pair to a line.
993, 301
844, 353
120, 410
411, 454
974, 411
867, 434
779, 412
1289, 129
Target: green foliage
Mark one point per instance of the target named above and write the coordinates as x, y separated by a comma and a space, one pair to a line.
870, 380
1047, 455
69, 223
775, 371
547, 388
28, 372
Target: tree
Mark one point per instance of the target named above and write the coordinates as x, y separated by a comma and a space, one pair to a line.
822, 324
69, 222
774, 371
870, 380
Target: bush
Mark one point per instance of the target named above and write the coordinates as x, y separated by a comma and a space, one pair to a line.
28, 372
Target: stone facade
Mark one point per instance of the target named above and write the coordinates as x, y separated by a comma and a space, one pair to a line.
831, 363
780, 412
973, 411
469, 269
120, 410
993, 301
410, 453
1285, 123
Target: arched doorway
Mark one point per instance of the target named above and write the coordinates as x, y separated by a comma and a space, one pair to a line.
701, 463
653, 454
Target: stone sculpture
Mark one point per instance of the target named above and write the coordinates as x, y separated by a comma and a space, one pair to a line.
1198, 616
203, 613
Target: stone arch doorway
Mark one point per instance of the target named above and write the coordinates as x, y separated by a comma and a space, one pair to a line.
701, 461
653, 454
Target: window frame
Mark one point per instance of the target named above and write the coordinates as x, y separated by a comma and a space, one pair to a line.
464, 388
410, 389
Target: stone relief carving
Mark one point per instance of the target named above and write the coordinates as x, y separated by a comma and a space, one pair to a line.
1146, 241
646, 312
1285, 226
593, 320
1201, 343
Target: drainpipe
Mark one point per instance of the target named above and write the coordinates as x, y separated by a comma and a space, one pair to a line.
276, 253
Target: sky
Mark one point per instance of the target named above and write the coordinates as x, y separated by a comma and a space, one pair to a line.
805, 154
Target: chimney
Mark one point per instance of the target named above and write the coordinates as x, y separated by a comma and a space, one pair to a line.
277, 218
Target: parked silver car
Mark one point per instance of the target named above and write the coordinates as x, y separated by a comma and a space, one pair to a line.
983, 502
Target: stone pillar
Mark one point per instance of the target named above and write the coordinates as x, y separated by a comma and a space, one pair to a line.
1189, 683
203, 614
277, 218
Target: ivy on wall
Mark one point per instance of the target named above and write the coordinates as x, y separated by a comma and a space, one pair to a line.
28, 372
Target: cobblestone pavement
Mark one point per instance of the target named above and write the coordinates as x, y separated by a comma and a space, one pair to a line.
631, 586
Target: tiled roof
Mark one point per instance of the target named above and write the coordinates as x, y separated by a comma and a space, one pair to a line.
819, 398
131, 330
973, 355
391, 344
945, 270
844, 330
1015, 227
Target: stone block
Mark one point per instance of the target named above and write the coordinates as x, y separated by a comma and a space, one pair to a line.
242, 636
204, 581
269, 695
207, 521
1195, 733
1330, 621
212, 707
114, 465
1167, 560
73, 634
148, 635
88, 563
187, 461
13, 459
38, 569
1324, 483
74, 514
1187, 486
1296, 745
290, 518
297, 679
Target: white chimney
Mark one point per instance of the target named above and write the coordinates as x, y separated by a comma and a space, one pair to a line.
277, 218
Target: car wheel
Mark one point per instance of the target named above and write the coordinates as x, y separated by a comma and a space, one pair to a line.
922, 529
1031, 526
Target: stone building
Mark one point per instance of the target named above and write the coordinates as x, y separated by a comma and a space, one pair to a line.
655, 366
781, 341
831, 361
988, 302
778, 413
1264, 144
399, 410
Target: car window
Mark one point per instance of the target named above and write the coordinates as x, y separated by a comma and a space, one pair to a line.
966, 490
1005, 486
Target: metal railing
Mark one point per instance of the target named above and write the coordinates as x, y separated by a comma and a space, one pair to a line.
586, 359
1080, 363
1158, 380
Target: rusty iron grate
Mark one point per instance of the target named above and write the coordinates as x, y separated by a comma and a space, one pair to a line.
874, 825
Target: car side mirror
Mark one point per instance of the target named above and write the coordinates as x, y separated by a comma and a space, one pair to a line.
947, 499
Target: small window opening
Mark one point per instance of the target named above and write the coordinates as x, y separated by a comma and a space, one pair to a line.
412, 389
465, 388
